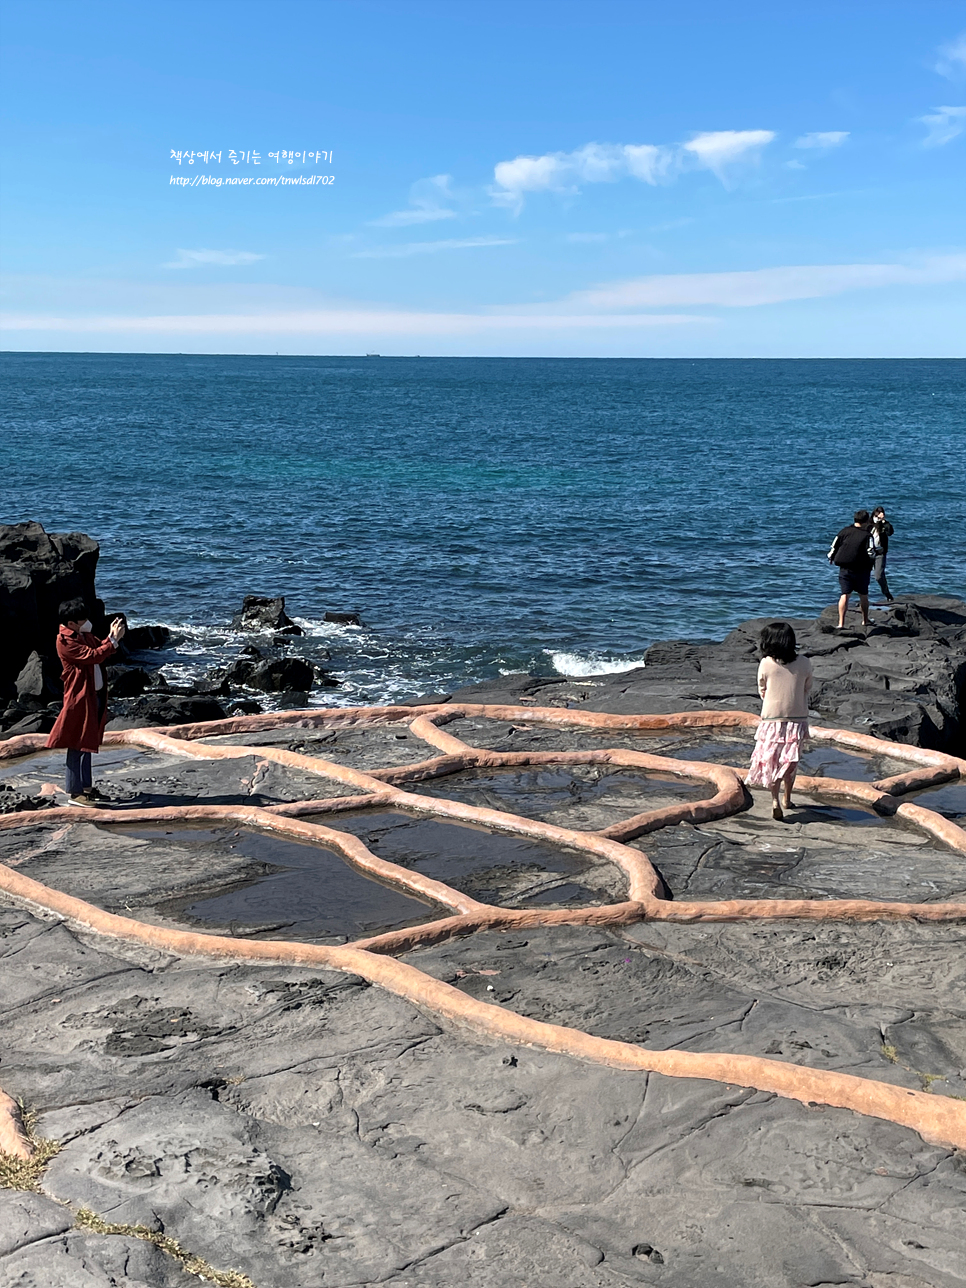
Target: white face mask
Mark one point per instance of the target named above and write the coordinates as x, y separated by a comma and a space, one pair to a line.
86, 627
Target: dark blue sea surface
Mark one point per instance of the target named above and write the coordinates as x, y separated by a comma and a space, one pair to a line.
483, 515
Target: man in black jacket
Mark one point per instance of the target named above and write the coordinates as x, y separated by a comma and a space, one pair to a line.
850, 554
882, 530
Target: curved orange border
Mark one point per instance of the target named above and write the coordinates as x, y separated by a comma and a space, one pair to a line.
936, 1118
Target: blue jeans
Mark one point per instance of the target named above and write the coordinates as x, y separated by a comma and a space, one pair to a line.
78, 772
79, 762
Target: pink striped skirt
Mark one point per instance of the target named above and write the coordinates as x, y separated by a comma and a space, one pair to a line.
778, 744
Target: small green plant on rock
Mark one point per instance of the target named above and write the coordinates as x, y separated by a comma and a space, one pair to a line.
85, 1219
25, 1173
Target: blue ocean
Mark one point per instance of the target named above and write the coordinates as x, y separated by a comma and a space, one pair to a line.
481, 515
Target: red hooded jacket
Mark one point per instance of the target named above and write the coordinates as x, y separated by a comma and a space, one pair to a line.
78, 726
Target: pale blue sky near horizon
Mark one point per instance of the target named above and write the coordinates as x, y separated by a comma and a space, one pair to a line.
621, 179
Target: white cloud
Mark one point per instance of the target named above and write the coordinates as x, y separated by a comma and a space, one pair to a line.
945, 125
766, 285
426, 198
822, 139
429, 248
193, 258
565, 171
952, 58
721, 150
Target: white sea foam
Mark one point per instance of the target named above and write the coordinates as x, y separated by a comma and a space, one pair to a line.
575, 665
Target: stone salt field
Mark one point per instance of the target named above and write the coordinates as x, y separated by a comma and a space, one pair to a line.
489, 994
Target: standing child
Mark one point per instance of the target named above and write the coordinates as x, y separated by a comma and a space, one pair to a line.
784, 682
80, 725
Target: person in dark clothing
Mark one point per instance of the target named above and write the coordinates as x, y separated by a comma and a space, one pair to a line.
850, 554
882, 530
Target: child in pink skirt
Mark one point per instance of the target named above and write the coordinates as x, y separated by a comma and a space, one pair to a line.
784, 682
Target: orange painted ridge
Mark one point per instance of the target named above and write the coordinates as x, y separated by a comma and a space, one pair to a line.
945, 1122
938, 1119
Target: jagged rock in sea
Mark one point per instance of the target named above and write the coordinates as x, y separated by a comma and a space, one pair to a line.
259, 613
273, 675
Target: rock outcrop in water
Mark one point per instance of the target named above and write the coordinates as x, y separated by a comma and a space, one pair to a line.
902, 679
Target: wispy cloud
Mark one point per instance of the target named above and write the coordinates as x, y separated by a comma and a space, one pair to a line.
195, 258
766, 285
360, 322
721, 150
952, 58
566, 171
943, 125
428, 248
822, 139
426, 204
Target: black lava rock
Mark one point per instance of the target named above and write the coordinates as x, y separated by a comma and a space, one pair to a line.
262, 614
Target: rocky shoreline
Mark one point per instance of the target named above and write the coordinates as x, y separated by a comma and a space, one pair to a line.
902, 679
264, 1124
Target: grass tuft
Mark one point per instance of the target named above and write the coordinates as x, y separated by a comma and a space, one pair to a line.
85, 1219
25, 1173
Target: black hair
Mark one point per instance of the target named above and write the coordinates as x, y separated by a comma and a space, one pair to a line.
879, 509
861, 516
778, 641
72, 610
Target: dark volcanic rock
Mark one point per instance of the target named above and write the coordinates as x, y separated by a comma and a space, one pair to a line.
344, 619
128, 681
261, 614
276, 675
38, 570
140, 638
39, 683
36, 722
174, 709
903, 678
11, 801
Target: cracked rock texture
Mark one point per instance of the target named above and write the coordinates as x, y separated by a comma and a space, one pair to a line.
308, 1129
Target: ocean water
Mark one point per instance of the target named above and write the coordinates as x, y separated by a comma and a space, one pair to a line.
482, 515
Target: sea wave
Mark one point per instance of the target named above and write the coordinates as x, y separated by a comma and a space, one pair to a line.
574, 665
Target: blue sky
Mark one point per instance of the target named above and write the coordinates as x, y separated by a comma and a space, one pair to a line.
613, 179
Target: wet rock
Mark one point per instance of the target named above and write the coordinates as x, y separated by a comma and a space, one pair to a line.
344, 619
128, 681
245, 707
274, 675
263, 614
174, 709
11, 800
140, 638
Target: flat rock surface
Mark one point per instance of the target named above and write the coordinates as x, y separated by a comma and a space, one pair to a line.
305, 1128
308, 1129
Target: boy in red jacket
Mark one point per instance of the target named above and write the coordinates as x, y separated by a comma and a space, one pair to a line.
80, 725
